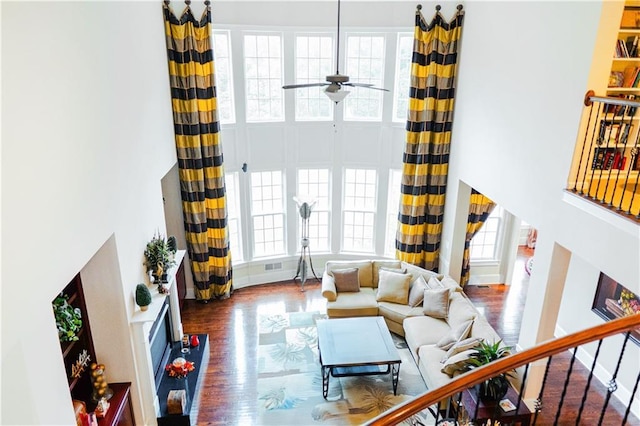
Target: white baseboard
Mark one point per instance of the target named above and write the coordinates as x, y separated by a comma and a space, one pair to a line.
485, 279
622, 394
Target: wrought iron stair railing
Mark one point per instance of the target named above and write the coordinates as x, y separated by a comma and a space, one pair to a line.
607, 157
439, 399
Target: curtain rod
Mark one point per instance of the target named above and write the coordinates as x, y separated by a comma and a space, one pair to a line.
438, 7
187, 2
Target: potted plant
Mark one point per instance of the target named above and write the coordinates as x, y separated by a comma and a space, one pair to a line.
143, 296
495, 388
68, 319
159, 257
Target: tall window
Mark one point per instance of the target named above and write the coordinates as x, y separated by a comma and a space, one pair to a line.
486, 244
267, 211
314, 185
313, 64
263, 75
403, 77
365, 64
233, 216
359, 206
224, 77
393, 202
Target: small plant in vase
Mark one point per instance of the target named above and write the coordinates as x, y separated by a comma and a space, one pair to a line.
143, 296
159, 257
495, 388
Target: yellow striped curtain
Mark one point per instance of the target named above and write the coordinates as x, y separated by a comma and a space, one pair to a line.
195, 117
480, 207
426, 156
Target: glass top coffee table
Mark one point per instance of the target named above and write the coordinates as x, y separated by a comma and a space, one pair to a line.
359, 346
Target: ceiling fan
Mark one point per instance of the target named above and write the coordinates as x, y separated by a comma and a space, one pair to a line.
335, 82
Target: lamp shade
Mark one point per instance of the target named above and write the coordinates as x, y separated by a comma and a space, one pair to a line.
337, 96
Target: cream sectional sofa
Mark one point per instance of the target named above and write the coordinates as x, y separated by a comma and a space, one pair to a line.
424, 334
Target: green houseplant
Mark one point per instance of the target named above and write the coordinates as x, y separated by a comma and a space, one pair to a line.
143, 296
495, 388
159, 256
68, 319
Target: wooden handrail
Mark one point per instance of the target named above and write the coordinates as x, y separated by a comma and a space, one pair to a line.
479, 375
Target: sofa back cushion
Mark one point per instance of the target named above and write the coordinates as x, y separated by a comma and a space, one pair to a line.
377, 264
393, 287
461, 309
417, 271
365, 276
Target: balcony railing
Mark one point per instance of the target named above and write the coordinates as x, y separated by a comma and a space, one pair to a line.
445, 404
607, 160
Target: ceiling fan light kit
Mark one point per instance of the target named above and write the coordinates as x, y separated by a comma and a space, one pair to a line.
336, 96
334, 83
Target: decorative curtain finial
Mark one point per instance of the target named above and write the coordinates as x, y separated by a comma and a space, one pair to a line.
459, 7
166, 2
187, 2
438, 7
207, 3
419, 7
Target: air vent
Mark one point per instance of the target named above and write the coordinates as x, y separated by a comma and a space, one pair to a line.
272, 266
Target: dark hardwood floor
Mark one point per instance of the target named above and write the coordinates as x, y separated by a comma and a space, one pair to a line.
229, 396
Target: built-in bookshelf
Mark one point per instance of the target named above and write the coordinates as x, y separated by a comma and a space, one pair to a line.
617, 128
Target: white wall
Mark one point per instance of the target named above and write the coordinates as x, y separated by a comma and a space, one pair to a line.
520, 87
86, 138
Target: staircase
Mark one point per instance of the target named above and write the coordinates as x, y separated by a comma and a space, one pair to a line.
535, 363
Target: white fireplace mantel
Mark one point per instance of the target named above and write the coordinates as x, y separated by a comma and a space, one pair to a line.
141, 323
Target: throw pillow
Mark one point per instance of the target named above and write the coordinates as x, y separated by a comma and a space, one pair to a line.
416, 291
346, 280
436, 303
457, 362
393, 287
455, 335
461, 346
434, 283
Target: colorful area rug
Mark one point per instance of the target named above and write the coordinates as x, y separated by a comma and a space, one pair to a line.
290, 382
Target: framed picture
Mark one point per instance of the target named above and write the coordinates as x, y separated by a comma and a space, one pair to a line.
630, 18
613, 301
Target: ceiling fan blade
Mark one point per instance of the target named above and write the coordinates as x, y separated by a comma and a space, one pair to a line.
366, 86
359, 84
298, 86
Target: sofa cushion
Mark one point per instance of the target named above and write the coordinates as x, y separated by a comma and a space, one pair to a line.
461, 309
423, 330
377, 264
393, 287
364, 269
397, 312
457, 362
346, 280
417, 271
460, 332
430, 366
461, 346
436, 302
416, 291
360, 304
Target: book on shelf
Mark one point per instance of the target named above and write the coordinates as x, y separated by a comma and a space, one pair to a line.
630, 75
616, 79
631, 47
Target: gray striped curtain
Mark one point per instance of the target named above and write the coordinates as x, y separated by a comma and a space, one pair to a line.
195, 117
426, 156
480, 207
